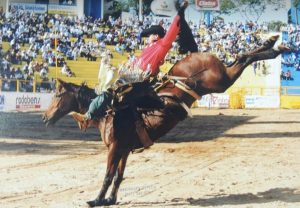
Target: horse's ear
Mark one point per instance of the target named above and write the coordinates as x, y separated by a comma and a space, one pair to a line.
84, 83
61, 82
65, 85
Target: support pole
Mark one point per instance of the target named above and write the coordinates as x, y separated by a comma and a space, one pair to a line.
141, 10
207, 15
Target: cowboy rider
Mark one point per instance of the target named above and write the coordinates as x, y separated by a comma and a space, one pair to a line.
151, 59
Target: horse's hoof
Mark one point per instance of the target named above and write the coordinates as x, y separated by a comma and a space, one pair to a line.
95, 203
110, 201
106, 202
91, 203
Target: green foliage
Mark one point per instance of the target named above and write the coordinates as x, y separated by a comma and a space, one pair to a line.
249, 8
276, 25
227, 6
296, 3
129, 3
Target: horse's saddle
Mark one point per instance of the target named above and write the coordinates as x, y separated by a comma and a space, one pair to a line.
138, 94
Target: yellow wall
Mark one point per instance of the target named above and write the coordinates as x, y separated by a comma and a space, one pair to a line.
290, 101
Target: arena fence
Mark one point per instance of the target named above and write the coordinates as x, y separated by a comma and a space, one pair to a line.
35, 85
236, 98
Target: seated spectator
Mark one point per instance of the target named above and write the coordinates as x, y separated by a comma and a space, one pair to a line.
69, 54
282, 75
6, 85
43, 73
19, 74
66, 70
288, 75
119, 49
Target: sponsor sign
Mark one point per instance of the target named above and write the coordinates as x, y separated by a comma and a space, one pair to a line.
208, 4
2, 102
214, 101
257, 101
36, 8
14, 101
62, 9
163, 8
27, 101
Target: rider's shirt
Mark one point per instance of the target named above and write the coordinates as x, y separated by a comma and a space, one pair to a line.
153, 55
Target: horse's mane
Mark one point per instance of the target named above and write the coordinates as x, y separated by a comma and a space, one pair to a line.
83, 93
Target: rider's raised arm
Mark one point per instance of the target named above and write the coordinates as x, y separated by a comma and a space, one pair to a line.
172, 32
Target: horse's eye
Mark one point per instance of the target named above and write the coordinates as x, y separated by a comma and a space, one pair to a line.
59, 94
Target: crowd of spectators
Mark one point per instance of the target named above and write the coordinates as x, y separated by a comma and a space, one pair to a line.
31, 35
291, 60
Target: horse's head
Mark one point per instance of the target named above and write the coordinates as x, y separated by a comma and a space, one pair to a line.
68, 97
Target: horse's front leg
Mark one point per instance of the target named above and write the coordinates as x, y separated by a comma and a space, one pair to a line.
112, 164
112, 199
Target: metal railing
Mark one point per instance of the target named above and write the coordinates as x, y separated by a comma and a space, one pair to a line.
35, 85
290, 90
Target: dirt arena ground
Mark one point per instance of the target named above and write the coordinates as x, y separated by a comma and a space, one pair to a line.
219, 158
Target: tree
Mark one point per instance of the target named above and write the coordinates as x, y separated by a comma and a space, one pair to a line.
248, 8
129, 3
227, 6
296, 4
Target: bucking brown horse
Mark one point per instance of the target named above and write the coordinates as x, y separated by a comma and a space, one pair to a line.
194, 76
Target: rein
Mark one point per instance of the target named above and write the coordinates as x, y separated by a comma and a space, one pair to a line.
178, 82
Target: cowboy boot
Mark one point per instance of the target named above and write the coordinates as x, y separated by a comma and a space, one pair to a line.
82, 120
180, 6
143, 135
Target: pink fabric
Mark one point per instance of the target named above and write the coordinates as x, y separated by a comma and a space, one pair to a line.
154, 54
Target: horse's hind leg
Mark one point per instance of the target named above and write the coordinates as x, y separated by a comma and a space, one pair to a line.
268, 44
245, 60
267, 54
118, 179
112, 164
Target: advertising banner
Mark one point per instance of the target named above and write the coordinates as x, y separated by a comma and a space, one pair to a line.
214, 101
36, 8
257, 101
13, 101
208, 5
163, 8
62, 9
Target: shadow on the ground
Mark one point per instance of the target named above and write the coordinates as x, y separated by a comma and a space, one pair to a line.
277, 194
30, 126
204, 128
199, 128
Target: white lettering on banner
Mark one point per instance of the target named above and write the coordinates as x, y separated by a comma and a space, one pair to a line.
62, 9
214, 101
36, 8
27, 102
256, 101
